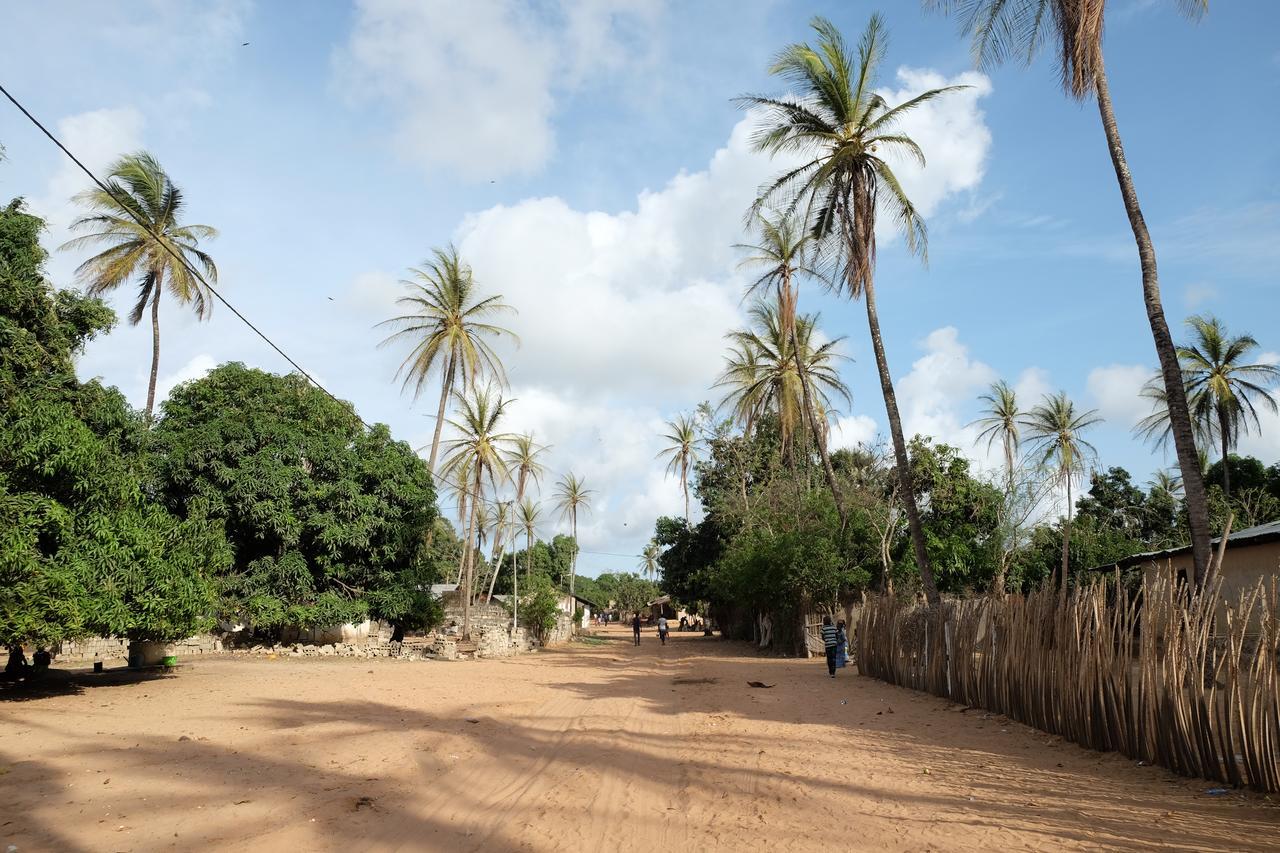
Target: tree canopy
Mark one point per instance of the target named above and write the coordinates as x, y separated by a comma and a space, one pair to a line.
326, 519
84, 550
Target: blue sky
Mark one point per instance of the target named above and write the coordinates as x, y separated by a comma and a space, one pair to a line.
587, 158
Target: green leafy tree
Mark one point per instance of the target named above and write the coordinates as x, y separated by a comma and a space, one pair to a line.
327, 519
1054, 430
140, 222
843, 130
448, 325
1001, 29
83, 549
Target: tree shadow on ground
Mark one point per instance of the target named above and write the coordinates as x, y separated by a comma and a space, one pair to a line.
64, 682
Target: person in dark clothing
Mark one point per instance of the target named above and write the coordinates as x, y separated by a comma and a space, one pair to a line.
831, 641
635, 627
842, 645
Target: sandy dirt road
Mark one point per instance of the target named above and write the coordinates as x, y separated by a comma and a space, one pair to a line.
598, 747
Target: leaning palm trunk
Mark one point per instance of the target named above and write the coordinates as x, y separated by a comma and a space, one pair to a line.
155, 352
446, 385
903, 465
1170, 370
1224, 425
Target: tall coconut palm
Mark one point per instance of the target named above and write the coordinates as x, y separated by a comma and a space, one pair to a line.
529, 515
573, 495
649, 559
1054, 431
481, 447
1019, 28
1223, 388
782, 254
842, 130
523, 461
448, 325
1168, 481
139, 220
682, 451
1157, 429
760, 372
999, 422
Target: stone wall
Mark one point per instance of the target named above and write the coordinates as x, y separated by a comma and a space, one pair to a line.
116, 649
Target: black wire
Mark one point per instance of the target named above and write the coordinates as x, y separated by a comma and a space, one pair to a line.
190, 268
176, 255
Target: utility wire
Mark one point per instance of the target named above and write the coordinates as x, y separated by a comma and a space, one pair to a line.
164, 243
180, 258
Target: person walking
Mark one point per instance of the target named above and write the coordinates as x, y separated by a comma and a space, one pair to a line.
635, 627
842, 645
662, 629
830, 639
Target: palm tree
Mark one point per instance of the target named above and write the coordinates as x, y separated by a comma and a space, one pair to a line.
139, 219
1054, 429
1004, 28
649, 559
1156, 427
760, 372
1223, 389
780, 257
447, 324
842, 129
480, 447
529, 514
1168, 481
571, 496
1000, 421
522, 458
682, 451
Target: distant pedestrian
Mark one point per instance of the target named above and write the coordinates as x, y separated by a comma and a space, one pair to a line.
635, 627
830, 640
662, 629
842, 645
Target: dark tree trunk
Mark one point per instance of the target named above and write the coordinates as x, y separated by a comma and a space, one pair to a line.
155, 354
1066, 548
905, 485
1170, 371
446, 385
1226, 448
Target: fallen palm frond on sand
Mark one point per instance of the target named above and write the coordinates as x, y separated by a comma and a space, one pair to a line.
1185, 681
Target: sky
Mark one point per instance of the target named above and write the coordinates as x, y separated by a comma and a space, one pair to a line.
588, 159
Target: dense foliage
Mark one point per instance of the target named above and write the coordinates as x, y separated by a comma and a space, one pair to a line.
326, 519
83, 548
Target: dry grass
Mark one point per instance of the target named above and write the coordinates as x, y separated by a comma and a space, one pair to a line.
1161, 676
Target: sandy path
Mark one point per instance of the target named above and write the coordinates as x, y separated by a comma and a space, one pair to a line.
587, 748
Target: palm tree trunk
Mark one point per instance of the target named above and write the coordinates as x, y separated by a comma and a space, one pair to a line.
1175, 393
446, 385
900, 449
1226, 448
573, 570
469, 559
528, 554
155, 353
684, 478
1066, 548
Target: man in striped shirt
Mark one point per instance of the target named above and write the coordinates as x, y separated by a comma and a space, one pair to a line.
831, 641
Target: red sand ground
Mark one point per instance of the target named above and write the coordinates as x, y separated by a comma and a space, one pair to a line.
593, 747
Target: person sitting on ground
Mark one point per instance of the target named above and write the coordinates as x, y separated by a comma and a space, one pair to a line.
40, 661
830, 639
17, 666
842, 645
635, 627
662, 629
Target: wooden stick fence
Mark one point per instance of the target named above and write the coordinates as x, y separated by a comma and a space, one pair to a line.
1163, 676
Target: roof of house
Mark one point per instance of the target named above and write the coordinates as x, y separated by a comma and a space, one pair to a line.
662, 599
1257, 535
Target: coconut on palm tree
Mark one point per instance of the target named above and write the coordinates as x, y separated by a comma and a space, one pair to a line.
1054, 431
139, 220
449, 326
479, 450
760, 373
682, 433
573, 495
1001, 29
845, 133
